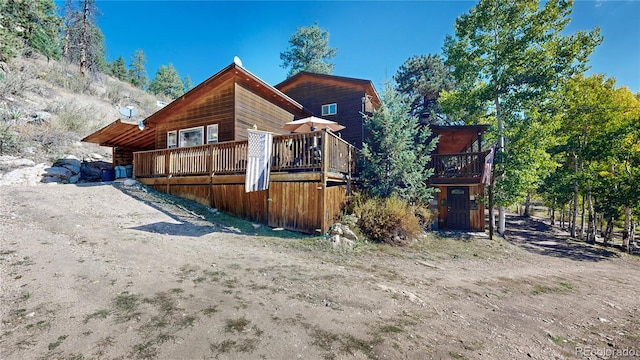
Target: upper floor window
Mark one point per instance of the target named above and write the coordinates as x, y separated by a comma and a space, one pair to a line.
329, 109
212, 134
172, 139
191, 137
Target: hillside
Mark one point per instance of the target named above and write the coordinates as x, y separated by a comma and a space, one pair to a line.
47, 107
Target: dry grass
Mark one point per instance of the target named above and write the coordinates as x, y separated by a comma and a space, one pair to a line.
77, 106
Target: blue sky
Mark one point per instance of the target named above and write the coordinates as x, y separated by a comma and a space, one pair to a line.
373, 38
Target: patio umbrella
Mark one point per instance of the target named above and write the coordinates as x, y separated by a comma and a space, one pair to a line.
312, 123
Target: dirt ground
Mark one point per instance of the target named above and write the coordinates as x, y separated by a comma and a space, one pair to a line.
105, 271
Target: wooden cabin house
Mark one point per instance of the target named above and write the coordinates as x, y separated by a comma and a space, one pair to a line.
341, 99
196, 147
458, 164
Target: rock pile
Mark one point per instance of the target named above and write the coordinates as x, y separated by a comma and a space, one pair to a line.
92, 166
67, 170
341, 236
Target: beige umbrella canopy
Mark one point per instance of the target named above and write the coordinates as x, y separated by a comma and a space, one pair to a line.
312, 123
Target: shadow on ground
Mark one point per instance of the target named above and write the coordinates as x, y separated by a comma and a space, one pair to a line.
535, 236
191, 218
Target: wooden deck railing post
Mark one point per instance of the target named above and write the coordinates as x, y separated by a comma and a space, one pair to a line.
324, 223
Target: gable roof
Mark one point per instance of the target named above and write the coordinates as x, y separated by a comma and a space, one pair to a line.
306, 77
127, 135
267, 91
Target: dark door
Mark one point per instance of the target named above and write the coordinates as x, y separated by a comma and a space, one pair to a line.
458, 209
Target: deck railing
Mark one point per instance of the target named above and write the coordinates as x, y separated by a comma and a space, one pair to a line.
315, 151
458, 166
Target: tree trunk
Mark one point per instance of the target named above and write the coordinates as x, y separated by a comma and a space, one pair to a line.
608, 233
582, 216
502, 216
65, 45
626, 232
492, 214
591, 227
562, 217
553, 213
574, 209
599, 222
83, 45
527, 205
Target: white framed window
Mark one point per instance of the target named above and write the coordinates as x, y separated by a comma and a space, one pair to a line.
191, 136
212, 134
172, 139
329, 109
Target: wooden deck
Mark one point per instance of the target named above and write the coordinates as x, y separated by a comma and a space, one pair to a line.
462, 168
310, 179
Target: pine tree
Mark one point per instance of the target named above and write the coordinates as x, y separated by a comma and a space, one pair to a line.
31, 24
309, 51
137, 71
188, 84
396, 156
83, 41
167, 82
10, 44
118, 69
423, 78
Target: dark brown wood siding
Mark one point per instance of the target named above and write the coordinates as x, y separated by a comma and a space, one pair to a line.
476, 213
312, 95
253, 109
216, 107
122, 157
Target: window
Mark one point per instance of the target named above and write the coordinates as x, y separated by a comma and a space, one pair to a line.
329, 109
212, 134
191, 137
172, 139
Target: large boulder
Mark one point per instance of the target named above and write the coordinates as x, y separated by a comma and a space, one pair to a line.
26, 175
8, 162
91, 171
56, 174
70, 162
341, 237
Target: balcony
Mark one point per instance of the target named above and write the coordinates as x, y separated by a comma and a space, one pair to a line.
461, 168
316, 152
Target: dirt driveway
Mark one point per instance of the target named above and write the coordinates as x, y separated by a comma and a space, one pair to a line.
114, 272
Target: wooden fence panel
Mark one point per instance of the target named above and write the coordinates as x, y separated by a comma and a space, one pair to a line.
197, 193
335, 199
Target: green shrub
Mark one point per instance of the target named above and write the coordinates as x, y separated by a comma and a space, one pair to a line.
389, 220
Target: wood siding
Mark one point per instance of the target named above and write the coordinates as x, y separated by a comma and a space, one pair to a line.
216, 107
476, 216
121, 157
252, 109
305, 193
303, 206
312, 95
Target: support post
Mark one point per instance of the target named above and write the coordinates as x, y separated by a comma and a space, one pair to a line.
491, 230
